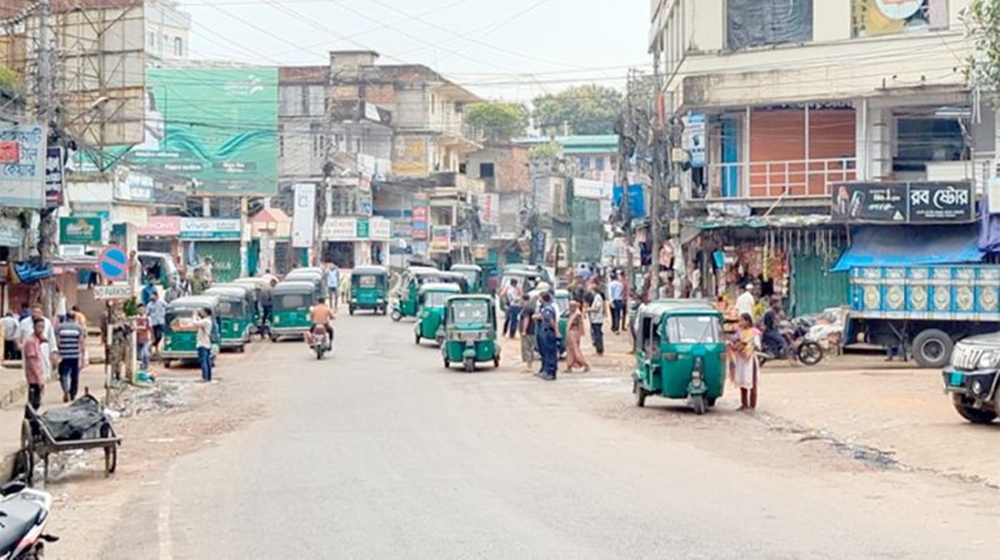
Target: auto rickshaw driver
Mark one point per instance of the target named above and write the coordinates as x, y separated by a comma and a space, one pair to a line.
321, 314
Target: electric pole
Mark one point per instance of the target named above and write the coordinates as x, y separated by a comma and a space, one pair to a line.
46, 114
626, 149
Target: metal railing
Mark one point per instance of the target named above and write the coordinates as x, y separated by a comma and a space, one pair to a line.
772, 179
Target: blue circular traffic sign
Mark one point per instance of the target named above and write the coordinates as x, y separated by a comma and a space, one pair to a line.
113, 263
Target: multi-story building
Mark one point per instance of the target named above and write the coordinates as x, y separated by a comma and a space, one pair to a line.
168, 31
784, 100
373, 138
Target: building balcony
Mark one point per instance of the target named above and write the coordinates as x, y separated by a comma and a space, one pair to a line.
769, 180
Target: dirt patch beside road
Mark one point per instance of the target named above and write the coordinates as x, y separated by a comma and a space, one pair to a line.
180, 417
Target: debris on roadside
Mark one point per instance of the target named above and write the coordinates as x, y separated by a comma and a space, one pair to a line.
159, 398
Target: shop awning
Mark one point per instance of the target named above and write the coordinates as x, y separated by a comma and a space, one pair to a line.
911, 246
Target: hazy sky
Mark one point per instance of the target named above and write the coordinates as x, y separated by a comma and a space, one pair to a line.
515, 49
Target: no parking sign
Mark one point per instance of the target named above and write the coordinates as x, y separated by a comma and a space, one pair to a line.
113, 263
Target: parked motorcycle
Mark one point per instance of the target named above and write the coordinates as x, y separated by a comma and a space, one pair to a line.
24, 513
800, 348
320, 341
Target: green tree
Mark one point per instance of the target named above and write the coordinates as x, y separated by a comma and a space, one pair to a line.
497, 121
983, 18
587, 109
8, 80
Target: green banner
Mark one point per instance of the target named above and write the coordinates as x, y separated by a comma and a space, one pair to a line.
215, 128
77, 230
363, 228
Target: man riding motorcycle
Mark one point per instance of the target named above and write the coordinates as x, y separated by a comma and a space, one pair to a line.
774, 339
321, 314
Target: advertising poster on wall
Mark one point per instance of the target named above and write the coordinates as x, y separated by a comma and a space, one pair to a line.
304, 216
217, 127
23, 151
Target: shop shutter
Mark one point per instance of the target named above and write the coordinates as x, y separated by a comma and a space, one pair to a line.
814, 287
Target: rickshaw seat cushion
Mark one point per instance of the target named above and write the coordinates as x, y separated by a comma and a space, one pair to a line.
74, 421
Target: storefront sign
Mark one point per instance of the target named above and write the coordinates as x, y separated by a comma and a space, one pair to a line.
357, 229
418, 217
941, 203
900, 203
304, 216
161, 226
22, 175
210, 228
11, 234
694, 139
54, 181
440, 239
134, 187
80, 231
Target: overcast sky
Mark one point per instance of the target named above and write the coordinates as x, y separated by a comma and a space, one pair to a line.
515, 49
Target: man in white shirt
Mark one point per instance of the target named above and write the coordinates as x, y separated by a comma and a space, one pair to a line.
596, 315
10, 339
333, 284
746, 302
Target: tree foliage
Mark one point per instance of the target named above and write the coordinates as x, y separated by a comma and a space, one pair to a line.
9, 80
497, 121
983, 19
587, 109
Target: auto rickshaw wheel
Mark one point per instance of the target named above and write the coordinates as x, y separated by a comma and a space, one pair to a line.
640, 394
712, 401
470, 365
496, 361
351, 310
447, 364
698, 404
416, 338
396, 315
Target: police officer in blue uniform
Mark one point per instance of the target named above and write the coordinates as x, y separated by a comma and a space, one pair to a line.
548, 328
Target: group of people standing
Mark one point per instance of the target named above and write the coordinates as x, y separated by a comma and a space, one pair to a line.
536, 320
41, 343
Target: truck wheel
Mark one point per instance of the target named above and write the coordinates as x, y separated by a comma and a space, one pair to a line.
974, 415
932, 348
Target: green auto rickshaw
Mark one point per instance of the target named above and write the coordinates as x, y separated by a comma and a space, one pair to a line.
180, 342
473, 275
369, 289
406, 295
292, 302
430, 317
256, 285
680, 353
236, 316
470, 332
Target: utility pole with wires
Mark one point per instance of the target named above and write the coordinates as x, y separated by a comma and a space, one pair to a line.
628, 129
46, 113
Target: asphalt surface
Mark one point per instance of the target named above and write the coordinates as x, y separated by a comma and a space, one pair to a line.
379, 452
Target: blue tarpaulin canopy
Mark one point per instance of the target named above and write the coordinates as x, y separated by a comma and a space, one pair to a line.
911, 246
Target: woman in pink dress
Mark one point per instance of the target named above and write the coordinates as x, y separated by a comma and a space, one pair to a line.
574, 334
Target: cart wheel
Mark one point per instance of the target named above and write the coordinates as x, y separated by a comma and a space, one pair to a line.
640, 394
698, 404
27, 451
110, 459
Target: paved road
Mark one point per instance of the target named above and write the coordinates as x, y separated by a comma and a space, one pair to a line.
379, 452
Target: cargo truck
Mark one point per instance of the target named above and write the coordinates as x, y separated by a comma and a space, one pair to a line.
922, 310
